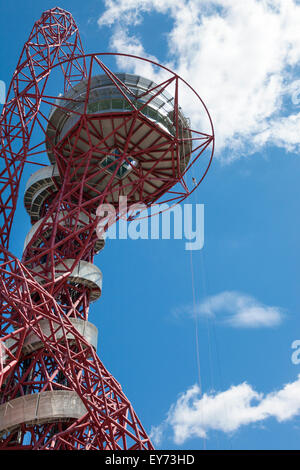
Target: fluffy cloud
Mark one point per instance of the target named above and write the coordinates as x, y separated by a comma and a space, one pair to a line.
240, 56
235, 309
194, 415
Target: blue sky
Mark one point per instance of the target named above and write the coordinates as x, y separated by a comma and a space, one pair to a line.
243, 63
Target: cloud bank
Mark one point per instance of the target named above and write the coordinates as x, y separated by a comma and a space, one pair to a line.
240, 56
235, 309
194, 415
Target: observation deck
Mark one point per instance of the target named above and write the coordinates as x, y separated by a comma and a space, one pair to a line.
40, 408
124, 130
32, 342
65, 221
84, 274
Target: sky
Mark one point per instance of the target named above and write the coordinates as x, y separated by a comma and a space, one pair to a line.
201, 341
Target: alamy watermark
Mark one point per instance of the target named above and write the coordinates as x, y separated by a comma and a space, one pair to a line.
180, 222
295, 358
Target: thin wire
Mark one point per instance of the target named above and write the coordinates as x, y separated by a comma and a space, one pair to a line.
215, 339
208, 324
196, 321
196, 334
196, 324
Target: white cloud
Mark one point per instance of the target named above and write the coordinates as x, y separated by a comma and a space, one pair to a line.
238, 55
235, 309
194, 415
282, 132
122, 42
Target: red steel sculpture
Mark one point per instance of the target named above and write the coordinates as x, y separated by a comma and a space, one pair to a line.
108, 136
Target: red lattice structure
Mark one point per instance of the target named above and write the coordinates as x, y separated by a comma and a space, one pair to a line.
108, 136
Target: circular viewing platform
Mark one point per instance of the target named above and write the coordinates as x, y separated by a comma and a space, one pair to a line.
85, 274
32, 342
40, 408
124, 133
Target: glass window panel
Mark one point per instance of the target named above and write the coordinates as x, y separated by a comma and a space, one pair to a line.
92, 108
117, 104
104, 104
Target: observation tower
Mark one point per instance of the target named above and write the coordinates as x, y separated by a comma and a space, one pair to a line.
106, 136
